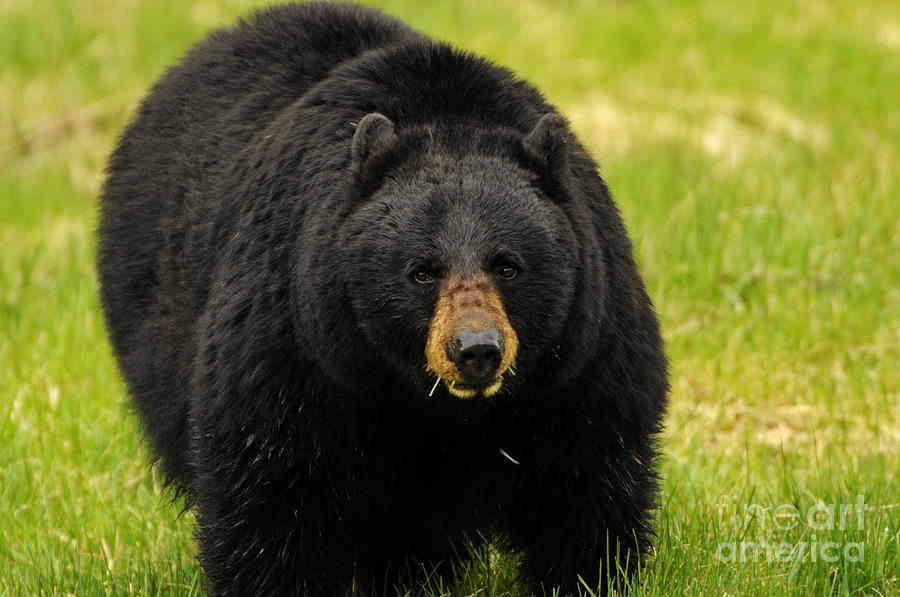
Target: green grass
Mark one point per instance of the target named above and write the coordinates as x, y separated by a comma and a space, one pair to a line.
753, 149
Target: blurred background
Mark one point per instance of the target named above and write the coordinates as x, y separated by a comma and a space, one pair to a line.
752, 148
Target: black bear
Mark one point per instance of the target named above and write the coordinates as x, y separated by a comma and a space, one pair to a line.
373, 303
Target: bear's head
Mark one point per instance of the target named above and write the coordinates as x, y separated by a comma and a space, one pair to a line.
458, 259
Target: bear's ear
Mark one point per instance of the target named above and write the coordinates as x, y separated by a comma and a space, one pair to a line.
546, 147
548, 141
374, 136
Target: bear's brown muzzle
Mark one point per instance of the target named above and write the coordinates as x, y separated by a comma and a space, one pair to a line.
471, 343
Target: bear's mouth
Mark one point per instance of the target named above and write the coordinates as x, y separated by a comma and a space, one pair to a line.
465, 390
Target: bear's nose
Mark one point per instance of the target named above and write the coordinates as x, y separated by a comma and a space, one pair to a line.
477, 355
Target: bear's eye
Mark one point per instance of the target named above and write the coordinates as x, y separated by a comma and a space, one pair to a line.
423, 276
426, 273
507, 272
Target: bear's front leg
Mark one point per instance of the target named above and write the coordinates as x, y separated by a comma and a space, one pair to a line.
269, 535
271, 463
580, 525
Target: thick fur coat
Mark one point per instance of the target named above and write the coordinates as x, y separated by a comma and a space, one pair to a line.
309, 217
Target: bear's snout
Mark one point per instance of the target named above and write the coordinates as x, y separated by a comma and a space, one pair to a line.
471, 343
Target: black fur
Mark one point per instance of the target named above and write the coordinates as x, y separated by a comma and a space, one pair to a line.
255, 264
